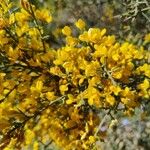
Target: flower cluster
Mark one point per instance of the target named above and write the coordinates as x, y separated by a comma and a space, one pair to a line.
56, 95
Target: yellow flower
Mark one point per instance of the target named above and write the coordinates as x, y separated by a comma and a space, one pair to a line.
125, 101
39, 86
80, 24
138, 54
6, 91
91, 69
35, 145
55, 70
94, 34
93, 96
117, 75
70, 99
84, 36
115, 56
129, 102
110, 99
94, 81
71, 41
66, 31
3, 39
147, 38
92, 139
100, 50
29, 136
22, 16
91, 100
63, 88
103, 31
115, 89
44, 15
12, 18
34, 32
69, 66
109, 40
146, 69
50, 96
23, 29
145, 85
81, 80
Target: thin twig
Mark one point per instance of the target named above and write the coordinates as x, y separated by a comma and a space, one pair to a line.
102, 122
110, 77
148, 19
2, 100
11, 35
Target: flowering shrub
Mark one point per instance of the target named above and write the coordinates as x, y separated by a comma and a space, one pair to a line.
56, 95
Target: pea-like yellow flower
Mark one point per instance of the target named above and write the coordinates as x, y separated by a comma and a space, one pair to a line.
12, 18
117, 74
63, 88
71, 41
39, 86
66, 31
145, 68
145, 85
70, 99
80, 24
110, 99
92, 139
44, 15
50, 96
115, 89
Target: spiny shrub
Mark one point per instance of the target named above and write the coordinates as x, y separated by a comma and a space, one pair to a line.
57, 95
